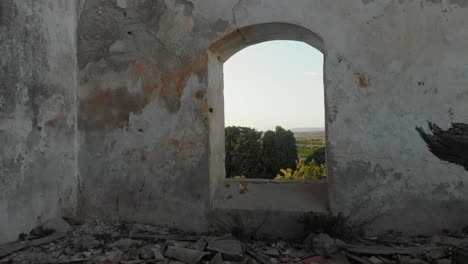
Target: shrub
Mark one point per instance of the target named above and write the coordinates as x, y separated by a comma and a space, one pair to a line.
303, 171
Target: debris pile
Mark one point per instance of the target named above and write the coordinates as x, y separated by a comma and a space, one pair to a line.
61, 241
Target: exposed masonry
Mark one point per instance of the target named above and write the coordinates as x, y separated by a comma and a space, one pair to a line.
111, 109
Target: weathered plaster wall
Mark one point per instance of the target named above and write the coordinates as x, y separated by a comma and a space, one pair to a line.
389, 67
144, 114
271, 195
37, 113
143, 111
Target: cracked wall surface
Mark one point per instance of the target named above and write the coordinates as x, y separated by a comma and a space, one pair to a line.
143, 131
388, 68
37, 113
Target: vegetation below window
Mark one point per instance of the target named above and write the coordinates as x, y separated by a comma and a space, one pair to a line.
273, 154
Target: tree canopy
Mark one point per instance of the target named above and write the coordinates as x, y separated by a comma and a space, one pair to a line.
279, 151
243, 152
253, 156
317, 156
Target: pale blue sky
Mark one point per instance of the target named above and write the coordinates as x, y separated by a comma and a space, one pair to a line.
275, 83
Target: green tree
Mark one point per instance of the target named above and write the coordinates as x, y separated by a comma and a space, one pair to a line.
279, 151
317, 156
243, 152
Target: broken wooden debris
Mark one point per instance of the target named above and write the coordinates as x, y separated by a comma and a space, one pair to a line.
229, 247
105, 243
13, 247
256, 255
177, 237
186, 255
385, 250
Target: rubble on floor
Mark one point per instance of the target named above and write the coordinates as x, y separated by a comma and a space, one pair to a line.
70, 241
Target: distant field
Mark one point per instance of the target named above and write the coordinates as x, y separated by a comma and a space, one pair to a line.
307, 142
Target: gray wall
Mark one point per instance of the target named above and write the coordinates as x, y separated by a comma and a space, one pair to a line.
143, 113
37, 113
389, 67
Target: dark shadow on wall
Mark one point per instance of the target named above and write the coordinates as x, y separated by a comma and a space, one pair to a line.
450, 145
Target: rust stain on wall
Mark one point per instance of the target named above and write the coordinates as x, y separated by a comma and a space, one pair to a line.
177, 144
112, 107
139, 69
99, 101
192, 146
150, 88
229, 39
184, 147
362, 82
205, 108
84, 205
199, 94
198, 67
136, 154
53, 122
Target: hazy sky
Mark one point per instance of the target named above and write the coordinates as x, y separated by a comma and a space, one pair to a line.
275, 83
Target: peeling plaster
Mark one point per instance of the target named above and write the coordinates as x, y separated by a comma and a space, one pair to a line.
142, 141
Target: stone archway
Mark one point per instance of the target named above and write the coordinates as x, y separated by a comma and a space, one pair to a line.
256, 203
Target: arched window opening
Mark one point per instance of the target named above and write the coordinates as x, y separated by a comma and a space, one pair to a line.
262, 77
274, 112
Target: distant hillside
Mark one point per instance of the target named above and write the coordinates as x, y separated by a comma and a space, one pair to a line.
307, 129
317, 134
308, 132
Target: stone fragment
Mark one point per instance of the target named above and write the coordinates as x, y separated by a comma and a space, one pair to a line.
417, 261
111, 257
124, 244
200, 244
324, 245
73, 221
177, 243
86, 242
273, 252
151, 252
436, 253
315, 260
55, 225
217, 259
297, 253
375, 260
175, 262
251, 261
448, 240
30, 257
186, 255
146, 252
229, 247
131, 254
68, 251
